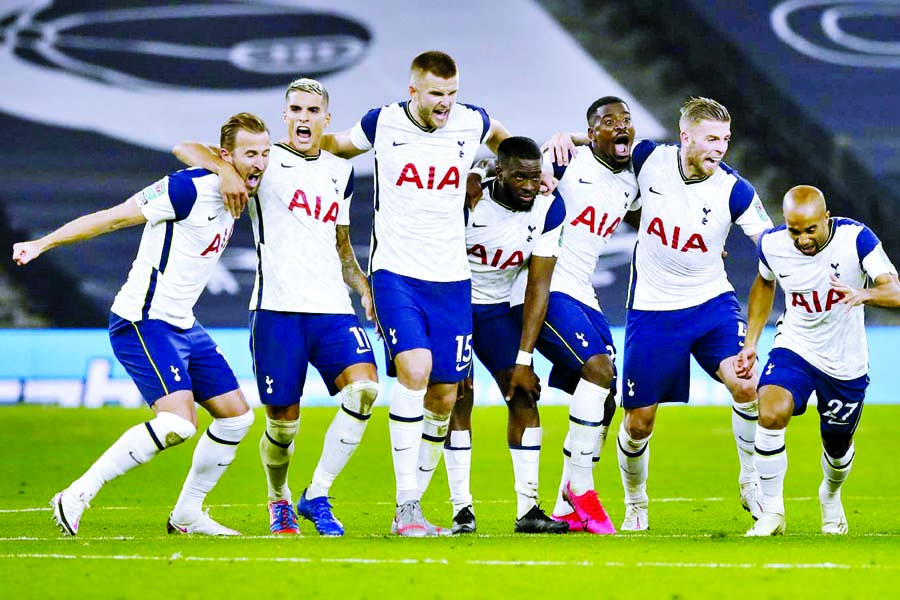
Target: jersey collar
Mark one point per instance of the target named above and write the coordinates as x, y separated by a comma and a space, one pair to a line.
613, 169
412, 119
296, 152
684, 177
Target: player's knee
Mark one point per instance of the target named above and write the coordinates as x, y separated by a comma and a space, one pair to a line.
637, 427
281, 432
358, 397
170, 430
836, 446
232, 429
599, 370
743, 391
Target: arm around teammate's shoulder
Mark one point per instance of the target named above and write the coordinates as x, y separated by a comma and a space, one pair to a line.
231, 184
341, 144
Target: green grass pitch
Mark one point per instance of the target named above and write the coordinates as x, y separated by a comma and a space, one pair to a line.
694, 549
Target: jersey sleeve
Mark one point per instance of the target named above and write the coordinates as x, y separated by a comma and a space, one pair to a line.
362, 135
550, 166
169, 199
764, 270
549, 242
876, 262
752, 217
344, 214
640, 154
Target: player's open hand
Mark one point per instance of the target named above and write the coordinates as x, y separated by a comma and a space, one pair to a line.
524, 379
745, 362
25, 252
560, 148
851, 296
234, 192
366, 300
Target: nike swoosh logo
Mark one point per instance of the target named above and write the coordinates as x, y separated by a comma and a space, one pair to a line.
588, 453
833, 422
363, 350
350, 443
767, 478
784, 275
460, 368
403, 449
580, 180
212, 218
288, 166
134, 458
426, 470
400, 143
652, 191
224, 464
477, 225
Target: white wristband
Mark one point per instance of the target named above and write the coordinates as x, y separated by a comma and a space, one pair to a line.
523, 358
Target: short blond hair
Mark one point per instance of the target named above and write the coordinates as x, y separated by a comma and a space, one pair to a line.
702, 109
310, 86
241, 121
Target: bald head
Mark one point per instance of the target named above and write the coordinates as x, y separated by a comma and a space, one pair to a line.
806, 218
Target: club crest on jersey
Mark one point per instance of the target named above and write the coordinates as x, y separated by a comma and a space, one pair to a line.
811, 301
269, 382
299, 201
410, 175
706, 211
588, 218
175, 370
694, 241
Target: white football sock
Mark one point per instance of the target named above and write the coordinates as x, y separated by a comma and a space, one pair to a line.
343, 435
434, 434
771, 464
134, 447
562, 506
214, 453
634, 465
743, 426
585, 417
526, 460
836, 471
276, 447
458, 460
405, 424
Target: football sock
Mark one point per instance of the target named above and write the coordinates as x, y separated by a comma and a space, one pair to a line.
526, 466
276, 447
343, 435
743, 425
405, 424
134, 447
634, 462
214, 453
771, 464
458, 460
836, 471
431, 448
562, 506
585, 420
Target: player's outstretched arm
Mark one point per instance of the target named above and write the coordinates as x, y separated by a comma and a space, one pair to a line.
341, 144
496, 134
351, 271
231, 185
885, 292
83, 228
762, 295
537, 294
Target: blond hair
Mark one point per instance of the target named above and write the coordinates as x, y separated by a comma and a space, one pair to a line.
310, 86
702, 109
241, 121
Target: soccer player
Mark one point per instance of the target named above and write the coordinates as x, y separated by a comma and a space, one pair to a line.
153, 332
680, 301
822, 263
300, 310
512, 235
418, 267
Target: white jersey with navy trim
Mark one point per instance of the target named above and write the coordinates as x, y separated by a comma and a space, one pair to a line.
300, 202
500, 243
814, 324
597, 198
684, 223
420, 189
187, 229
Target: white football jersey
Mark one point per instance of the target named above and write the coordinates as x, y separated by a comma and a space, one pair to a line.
500, 243
420, 189
814, 324
300, 202
678, 258
187, 229
597, 198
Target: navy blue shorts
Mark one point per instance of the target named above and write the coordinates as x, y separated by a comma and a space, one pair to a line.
497, 334
839, 402
659, 345
572, 333
437, 316
162, 359
283, 344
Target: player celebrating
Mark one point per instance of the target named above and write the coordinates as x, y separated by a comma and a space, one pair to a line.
418, 267
300, 311
512, 235
154, 334
822, 265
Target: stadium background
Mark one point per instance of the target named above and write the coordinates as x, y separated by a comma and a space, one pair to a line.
94, 98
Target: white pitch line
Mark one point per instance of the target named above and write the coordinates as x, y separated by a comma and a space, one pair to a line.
439, 561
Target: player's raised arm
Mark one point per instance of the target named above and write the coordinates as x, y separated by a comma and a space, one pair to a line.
341, 144
231, 184
496, 133
762, 295
83, 228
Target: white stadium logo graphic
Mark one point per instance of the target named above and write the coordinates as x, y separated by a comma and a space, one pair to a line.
841, 32
206, 45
